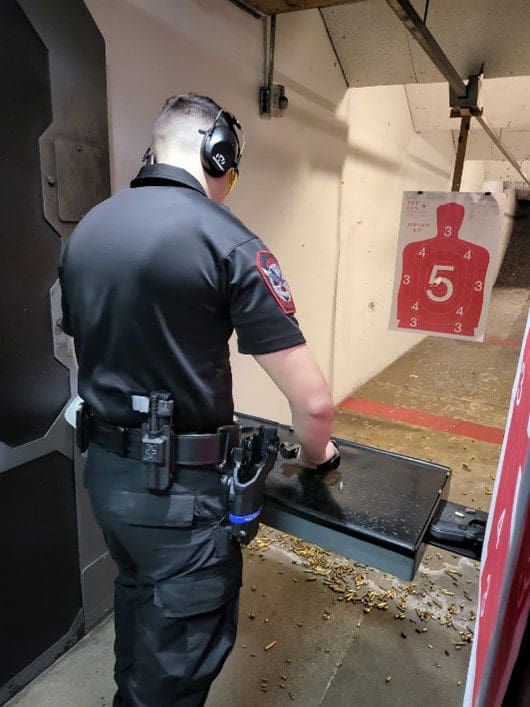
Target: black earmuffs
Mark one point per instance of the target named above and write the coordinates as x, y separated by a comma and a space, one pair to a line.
221, 149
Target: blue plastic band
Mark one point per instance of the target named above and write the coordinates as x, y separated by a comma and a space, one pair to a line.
244, 519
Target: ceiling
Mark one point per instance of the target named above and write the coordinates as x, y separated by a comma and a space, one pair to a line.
374, 48
276, 7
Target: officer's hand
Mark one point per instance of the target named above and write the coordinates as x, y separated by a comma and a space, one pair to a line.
330, 451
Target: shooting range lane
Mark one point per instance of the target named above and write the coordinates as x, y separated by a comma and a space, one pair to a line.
375, 508
454, 382
452, 386
455, 379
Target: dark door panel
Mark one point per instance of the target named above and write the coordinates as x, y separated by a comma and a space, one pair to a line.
56, 573
40, 594
34, 386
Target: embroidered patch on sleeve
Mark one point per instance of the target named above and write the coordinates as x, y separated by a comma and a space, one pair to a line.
270, 271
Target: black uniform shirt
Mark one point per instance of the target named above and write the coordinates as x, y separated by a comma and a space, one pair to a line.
154, 281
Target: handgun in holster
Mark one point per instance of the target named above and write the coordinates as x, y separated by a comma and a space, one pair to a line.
158, 442
251, 463
83, 421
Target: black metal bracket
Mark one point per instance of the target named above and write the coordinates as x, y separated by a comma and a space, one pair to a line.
464, 108
467, 105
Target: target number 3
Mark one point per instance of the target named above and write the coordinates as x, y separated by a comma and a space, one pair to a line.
436, 279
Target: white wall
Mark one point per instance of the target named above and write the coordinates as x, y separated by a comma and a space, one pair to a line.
385, 157
473, 176
327, 176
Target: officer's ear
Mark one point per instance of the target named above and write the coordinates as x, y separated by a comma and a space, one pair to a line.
217, 188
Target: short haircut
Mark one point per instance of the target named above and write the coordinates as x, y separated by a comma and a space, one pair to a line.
181, 118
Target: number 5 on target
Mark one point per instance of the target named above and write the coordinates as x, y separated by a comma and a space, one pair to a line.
443, 280
435, 281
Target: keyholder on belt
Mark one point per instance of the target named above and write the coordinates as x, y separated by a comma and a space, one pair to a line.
251, 463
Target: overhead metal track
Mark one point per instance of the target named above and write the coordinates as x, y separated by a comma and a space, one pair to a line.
277, 7
415, 25
247, 8
500, 145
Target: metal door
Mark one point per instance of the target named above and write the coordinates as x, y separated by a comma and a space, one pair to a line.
57, 577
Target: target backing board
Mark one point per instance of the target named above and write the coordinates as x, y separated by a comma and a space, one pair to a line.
446, 262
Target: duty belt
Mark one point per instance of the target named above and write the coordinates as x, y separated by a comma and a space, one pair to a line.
156, 443
244, 462
190, 449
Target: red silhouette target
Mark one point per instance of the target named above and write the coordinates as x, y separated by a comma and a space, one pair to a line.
444, 281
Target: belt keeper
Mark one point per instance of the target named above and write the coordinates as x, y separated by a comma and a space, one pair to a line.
124, 435
229, 432
221, 465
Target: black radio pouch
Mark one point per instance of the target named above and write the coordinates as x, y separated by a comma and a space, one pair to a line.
158, 443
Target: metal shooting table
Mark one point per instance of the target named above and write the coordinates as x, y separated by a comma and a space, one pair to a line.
378, 508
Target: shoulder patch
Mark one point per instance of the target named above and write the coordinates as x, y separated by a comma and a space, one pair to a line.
271, 273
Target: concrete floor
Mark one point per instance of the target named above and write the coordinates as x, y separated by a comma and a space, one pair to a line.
403, 644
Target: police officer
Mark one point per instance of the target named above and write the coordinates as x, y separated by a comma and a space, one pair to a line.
154, 281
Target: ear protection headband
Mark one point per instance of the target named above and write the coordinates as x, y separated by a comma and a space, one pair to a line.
221, 148
148, 157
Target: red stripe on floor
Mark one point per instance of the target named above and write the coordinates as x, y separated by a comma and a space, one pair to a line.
464, 428
504, 342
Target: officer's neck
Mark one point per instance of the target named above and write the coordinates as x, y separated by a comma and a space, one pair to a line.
193, 166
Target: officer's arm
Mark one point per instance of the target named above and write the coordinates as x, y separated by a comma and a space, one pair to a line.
298, 376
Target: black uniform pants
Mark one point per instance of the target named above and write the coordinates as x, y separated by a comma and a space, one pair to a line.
176, 594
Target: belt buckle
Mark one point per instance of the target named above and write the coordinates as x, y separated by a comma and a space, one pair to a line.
124, 438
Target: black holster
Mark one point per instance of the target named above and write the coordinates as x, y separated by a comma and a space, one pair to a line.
251, 464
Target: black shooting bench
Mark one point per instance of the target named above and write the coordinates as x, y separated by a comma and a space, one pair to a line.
378, 508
